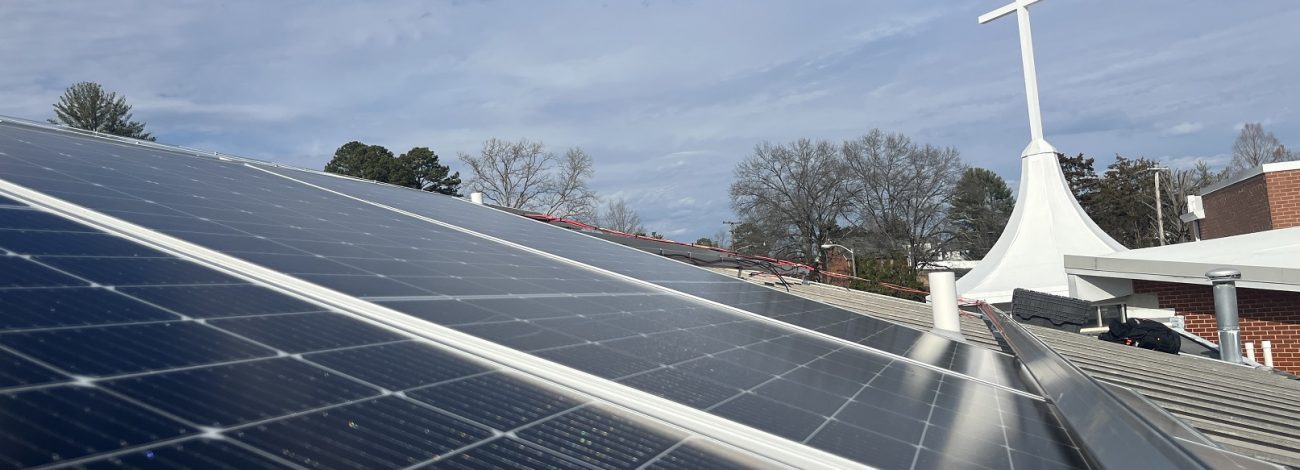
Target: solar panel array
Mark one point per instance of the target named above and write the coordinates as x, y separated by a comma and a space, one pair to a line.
111, 361
833, 321
860, 388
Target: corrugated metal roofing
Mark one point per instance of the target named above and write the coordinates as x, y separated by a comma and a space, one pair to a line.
1251, 411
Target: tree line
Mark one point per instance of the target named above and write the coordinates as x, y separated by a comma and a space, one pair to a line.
885, 196
1121, 199
904, 203
521, 174
881, 194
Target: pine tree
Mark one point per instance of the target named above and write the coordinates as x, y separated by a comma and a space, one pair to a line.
88, 106
371, 162
981, 205
430, 175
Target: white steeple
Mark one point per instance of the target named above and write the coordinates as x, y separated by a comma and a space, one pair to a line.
1047, 222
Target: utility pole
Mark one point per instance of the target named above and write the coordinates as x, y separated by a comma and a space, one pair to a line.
1160, 216
733, 234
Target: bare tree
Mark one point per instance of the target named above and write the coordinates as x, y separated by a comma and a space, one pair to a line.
902, 193
620, 216
566, 193
1254, 147
523, 175
799, 185
722, 239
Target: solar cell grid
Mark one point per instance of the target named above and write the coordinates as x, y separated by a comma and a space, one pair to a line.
16, 372
397, 366
157, 384
43, 426
113, 350
306, 332
388, 432
506, 453
601, 439
19, 272
996, 368
524, 335
199, 453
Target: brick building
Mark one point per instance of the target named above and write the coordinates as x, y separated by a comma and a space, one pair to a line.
1265, 198
1170, 281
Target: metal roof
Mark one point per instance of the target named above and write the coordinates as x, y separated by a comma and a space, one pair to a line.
1251, 411
1267, 260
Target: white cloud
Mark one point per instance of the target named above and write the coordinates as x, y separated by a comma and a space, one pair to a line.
1188, 162
1184, 128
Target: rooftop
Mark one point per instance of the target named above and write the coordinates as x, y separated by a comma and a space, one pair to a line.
1267, 260
1252, 411
1251, 173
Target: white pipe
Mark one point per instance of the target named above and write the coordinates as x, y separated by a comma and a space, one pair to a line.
943, 299
1268, 354
476, 198
1250, 350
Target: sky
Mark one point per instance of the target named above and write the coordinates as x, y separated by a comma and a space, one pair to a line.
667, 96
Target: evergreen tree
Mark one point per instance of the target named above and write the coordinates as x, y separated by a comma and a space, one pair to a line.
88, 106
371, 162
430, 175
1081, 176
1124, 206
981, 205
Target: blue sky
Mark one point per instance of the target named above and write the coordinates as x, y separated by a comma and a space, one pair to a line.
666, 96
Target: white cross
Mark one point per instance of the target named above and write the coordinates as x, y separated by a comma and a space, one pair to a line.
1021, 9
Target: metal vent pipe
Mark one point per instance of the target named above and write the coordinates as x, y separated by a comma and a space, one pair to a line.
943, 299
1225, 313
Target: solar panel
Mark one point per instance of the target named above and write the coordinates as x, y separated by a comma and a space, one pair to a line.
159, 374
730, 365
840, 323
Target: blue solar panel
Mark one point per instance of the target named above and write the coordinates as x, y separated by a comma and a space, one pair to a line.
19, 272
389, 432
505, 452
190, 454
16, 371
122, 349
47, 425
883, 335
200, 376
306, 332
253, 215
601, 439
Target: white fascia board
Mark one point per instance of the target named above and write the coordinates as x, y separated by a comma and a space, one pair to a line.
1281, 166
777, 448
1186, 278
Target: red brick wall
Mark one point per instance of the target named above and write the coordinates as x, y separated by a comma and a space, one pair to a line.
1237, 209
1284, 198
1262, 315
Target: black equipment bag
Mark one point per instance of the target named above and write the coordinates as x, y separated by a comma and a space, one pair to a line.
1143, 333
